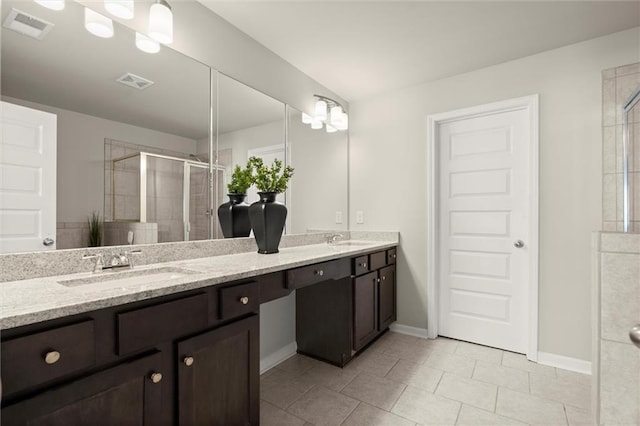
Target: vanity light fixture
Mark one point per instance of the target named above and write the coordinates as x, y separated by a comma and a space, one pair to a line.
51, 4
146, 44
306, 118
161, 22
120, 8
97, 24
327, 112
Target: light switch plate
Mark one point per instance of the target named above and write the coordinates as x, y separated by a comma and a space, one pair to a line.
338, 217
360, 217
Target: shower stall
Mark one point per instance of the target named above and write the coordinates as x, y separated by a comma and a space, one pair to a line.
170, 192
631, 163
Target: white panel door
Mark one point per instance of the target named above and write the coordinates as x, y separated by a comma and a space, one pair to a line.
27, 179
484, 203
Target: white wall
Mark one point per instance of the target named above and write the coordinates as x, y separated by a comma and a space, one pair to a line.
80, 177
388, 172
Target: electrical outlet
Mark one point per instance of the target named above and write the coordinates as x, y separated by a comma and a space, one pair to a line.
338, 217
360, 217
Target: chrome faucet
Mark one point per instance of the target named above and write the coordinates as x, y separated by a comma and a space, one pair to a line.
99, 265
333, 238
117, 261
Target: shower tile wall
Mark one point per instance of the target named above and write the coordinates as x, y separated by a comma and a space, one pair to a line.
617, 86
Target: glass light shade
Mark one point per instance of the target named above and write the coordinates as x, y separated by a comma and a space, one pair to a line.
98, 25
335, 115
321, 110
316, 124
331, 129
146, 44
344, 124
51, 4
120, 8
306, 118
161, 23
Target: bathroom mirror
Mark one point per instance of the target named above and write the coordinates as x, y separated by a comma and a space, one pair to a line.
318, 195
631, 164
108, 131
250, 123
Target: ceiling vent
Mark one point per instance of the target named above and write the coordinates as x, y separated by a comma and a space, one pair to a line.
27, 24
135, 81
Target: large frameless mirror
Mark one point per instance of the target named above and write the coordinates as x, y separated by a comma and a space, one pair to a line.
250, 124
318, 194
133, 128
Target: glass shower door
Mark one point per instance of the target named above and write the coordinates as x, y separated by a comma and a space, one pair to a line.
196, 201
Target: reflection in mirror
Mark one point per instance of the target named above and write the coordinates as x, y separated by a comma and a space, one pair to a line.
105, 126
631, 164
317, 197
250, 124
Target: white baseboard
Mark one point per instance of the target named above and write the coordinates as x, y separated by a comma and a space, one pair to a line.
564, 362
408, 330
282, 354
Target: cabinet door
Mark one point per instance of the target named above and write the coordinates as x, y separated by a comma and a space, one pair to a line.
128, 394
365, 303
219, 376
387, 297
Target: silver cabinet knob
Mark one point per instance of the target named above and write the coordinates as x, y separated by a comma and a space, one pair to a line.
244, 300
634, 335
320, 272
518, 244
156, 377
364, 265
188, 361
52, 357
384, 277
47, 242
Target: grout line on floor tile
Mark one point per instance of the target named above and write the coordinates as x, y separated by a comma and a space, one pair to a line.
566, 416
299, 396
495, 404
529, 381
458, 415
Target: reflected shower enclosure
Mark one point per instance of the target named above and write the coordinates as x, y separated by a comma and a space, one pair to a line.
158, 194
631, 163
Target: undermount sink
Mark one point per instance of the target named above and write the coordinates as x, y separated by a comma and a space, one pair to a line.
130, 277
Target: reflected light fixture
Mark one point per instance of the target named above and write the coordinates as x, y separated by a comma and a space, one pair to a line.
51, 4
120, 8
327, 112
97, 24
161, 22
146, 44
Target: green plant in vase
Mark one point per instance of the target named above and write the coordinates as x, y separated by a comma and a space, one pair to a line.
95, 230
234, 214
267, 216
273, 178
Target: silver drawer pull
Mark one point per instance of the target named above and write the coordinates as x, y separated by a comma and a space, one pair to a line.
47, 242
384, 277
52, 357
393, 256
364, 265
244, 300
156, 377
320, 272
188, 361
634, 335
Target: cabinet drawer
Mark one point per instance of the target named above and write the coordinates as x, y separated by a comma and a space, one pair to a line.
307, 275
147, 327
40, 357
378, 260
361, 265
391, 256
239, 300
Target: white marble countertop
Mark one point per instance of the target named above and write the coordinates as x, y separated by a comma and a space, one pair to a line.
39, 299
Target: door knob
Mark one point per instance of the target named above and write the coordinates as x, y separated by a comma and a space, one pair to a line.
518, 244
634, 335
47, 242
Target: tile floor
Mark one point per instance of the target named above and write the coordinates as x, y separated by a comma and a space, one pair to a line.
403, 380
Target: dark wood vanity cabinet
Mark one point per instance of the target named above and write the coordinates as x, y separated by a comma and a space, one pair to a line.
219, 376
127, 394
341, 314
189, 358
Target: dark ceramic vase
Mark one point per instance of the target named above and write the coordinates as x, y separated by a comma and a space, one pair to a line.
234, 217
267, 218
